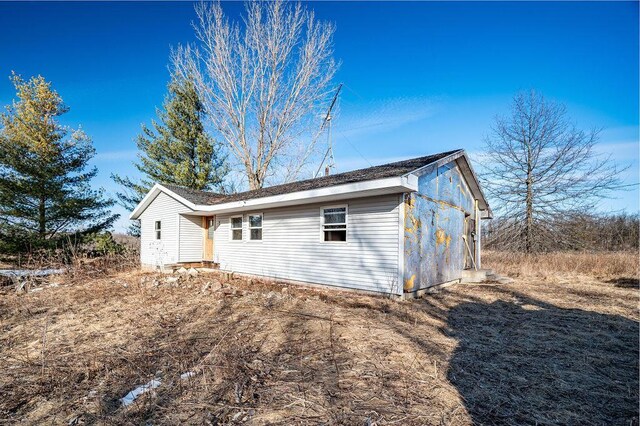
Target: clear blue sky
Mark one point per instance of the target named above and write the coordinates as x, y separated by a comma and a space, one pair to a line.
419, 77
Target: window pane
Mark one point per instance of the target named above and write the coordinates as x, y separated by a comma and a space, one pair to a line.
335, 235
255, 221
334, 217
237, 234
236, 222
158, 225
256, 234
157, 235
328, 227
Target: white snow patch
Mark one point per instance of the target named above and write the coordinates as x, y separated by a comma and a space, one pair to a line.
186, 375
131, 396
30, 272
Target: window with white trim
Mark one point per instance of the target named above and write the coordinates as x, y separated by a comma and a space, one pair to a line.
255, 227
158, 229
334, 223
236, 228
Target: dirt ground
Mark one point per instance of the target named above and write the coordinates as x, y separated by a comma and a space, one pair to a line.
542, 350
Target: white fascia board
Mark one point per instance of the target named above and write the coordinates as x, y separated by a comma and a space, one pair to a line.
155, 190
392, 185
474, 183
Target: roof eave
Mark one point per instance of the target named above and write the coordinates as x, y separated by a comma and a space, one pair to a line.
391, 185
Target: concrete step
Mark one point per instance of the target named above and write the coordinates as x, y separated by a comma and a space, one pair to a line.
483, 275
473, 276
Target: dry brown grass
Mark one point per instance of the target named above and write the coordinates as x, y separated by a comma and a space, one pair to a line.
596, 264
538, 351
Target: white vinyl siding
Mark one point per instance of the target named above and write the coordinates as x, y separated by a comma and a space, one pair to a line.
165, 250
291, 246
191, 239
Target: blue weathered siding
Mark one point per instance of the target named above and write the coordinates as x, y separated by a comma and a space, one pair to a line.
434, 226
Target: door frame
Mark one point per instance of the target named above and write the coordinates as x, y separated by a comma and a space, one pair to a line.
208, 244
469, 241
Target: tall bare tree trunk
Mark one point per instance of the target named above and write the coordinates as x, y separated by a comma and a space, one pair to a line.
529, 217
254, 182
529, 203
254, 177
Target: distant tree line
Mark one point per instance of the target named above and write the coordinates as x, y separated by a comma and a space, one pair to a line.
603, 232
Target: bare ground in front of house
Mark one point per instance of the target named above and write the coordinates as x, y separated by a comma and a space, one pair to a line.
550, 348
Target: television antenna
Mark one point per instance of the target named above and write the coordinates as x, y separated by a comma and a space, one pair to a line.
331, 164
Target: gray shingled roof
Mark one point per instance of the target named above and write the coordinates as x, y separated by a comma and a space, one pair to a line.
398, 168
195, 196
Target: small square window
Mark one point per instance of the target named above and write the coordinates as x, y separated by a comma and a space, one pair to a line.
334, 223
158, 229
255, 227
236, 228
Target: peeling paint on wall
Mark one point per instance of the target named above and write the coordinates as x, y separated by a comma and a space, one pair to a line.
409, 283
435, 254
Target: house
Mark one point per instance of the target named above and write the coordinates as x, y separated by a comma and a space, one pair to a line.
396, 228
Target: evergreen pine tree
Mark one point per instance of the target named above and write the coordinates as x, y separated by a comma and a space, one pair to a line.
177, 151
45, 190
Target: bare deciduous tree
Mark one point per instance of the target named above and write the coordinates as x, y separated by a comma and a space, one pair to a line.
263, 82
538, 168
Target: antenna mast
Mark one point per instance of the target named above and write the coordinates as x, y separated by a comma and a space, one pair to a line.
327, 122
